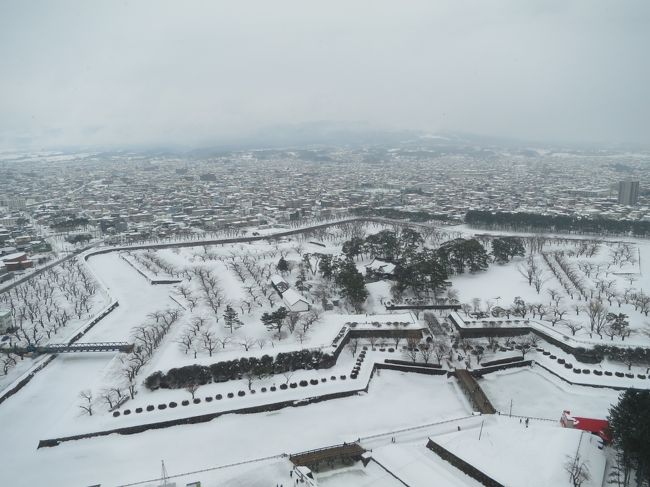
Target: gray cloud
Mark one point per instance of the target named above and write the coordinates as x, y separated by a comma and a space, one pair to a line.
194, 72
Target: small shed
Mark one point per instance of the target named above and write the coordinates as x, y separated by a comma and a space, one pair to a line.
294, 301
279, 284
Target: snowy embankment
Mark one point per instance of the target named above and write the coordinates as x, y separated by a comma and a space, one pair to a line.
162, 405
514, 454
534, 392
418, 466
605, 374
548, 330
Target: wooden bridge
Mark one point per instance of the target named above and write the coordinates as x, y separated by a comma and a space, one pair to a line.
343, 452
473, 391
72, 348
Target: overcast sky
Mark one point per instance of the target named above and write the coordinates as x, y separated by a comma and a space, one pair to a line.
195, 72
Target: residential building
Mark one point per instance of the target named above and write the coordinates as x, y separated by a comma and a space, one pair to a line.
628, 192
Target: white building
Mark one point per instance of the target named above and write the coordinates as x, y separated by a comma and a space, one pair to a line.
294, 301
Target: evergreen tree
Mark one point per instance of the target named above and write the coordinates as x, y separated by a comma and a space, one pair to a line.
505, 248
231, 319
325, 266
275, 320
352, 283
283, 265
630, 424
353, 247
302, 277
460, 254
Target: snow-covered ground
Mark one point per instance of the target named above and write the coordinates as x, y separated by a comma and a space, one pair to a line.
394, 401
136, 296
513, 454
503, 282
418, 466
537, 393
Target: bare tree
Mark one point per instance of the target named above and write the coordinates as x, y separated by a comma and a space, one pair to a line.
528, 271
209, 340
192, 388
523, 344
440, 349
539, 280
7, 362
301, 335
86, 405
597, 313
555, 295
426, 352
309, 318
287, 375
573, 326
247, 343
353, 346
578, 470
250, 379
292, 320
412, 349
577, 307
185, 340
223, 341
109, 398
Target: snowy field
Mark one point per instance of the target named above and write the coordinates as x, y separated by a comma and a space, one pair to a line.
536, 393
605, 275
395, 400
513, 454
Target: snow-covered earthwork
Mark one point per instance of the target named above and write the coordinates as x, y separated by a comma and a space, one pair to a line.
217, 304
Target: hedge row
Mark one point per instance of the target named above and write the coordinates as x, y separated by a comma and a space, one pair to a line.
578, 370
230, 395
413, 364
501, 361
181, 377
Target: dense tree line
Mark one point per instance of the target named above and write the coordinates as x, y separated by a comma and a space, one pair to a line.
392, 213
69, 223
630, 425
555, 223
418, 268
79, 238
264, 366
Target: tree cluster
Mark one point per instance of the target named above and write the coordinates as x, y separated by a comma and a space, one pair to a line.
147, 337
418, 268
46, 303
555, 223
266, 365
392, 213
505, 248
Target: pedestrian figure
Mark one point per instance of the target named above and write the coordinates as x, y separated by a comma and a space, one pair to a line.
519, 420
526, 422
459, 428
